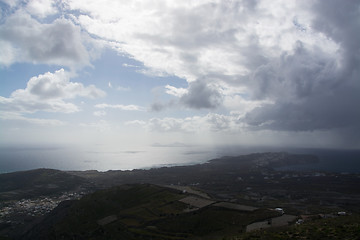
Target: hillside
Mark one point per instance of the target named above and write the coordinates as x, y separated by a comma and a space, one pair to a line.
222, 198
339, 228
142, 212
34, 183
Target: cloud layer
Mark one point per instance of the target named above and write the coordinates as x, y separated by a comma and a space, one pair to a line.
300, 56
25, 39
119, 106
284, 66
48, 92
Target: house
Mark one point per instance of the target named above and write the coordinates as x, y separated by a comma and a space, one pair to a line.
280, 210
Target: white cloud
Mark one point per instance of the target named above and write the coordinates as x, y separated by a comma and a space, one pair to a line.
119, 88
101, 126
7, 53
193, 40
171, 125
125, 89
177, 92
38, 121
47, 92
99, 113
239, 104
11, 3
136, 122
30, 104
211, 122
129, 65
120, 106
41, 8
27, 40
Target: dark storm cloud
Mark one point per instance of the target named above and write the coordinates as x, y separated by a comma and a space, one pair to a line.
340, 21
201, 95
314, 113
312, 89
157, 107
295, 76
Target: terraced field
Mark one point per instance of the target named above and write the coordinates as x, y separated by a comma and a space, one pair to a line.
144, 212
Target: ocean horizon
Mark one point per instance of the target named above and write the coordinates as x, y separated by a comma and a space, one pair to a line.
103, 158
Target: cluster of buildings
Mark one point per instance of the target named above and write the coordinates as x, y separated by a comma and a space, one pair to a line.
34, 207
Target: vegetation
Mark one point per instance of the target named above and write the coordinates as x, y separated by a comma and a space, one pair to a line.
37, 182
342, 227
144, 212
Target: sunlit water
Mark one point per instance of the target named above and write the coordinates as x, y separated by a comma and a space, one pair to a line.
103, 158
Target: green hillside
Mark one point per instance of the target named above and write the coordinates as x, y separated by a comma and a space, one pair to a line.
341, 228
142, 212
35, 183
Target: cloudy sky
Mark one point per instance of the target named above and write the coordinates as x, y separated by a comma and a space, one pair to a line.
216, 72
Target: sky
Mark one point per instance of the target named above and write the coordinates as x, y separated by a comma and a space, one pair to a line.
179, 73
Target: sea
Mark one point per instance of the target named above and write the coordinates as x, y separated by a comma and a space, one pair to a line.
104, 158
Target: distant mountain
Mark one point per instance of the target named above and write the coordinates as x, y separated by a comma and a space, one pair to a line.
214, 169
